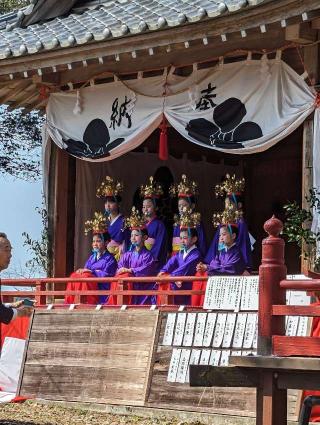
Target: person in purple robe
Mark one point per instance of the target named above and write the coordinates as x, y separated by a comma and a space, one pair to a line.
111, 191
229, 260
138, 261
186, 191
232, 189
185, 262
100, 264
157, 241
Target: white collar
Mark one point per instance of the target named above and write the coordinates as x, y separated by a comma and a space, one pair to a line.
115, 219
192, 247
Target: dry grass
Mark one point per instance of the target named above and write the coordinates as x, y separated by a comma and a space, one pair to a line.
33, 413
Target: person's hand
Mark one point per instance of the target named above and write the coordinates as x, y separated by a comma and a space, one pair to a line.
24, 311
124, 270
16, 304
201, 267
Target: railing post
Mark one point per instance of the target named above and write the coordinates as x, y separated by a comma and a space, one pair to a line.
40, 299
271, 272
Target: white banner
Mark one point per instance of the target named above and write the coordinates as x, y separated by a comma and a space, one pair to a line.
243, 107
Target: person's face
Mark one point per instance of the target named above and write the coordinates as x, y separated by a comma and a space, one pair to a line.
186, 241
225, 237
98, 243
137, 238
183, 204
111, 206
148, 208
5, 253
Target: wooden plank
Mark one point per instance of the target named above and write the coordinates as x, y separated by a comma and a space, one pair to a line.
296, 346
302, 380
296, 310
213, 376
301, 33
273, 362
90, 356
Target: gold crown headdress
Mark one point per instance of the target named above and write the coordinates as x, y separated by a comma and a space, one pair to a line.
230, 185
184, 189
189, 219
135, 221
229, 215
151, 190
97, 225
109, 187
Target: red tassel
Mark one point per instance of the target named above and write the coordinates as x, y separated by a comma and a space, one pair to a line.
163, 141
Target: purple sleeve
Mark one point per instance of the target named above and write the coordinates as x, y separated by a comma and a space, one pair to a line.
213, 249
232, 266
88, 264
108, 269
146, 269
123, 261
243, 242
187, 267
170, 265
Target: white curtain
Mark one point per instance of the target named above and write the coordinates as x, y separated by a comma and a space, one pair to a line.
243, 107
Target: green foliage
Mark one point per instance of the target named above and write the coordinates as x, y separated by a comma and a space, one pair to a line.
8, 5
40, 249
297, 227
20, 143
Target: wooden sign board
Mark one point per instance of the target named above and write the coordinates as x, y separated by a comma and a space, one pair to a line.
90, 356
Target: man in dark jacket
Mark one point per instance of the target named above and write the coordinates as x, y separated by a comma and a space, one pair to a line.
11, 312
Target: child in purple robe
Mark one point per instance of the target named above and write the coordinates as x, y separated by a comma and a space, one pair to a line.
232, 189
100, 264
157, 241
186, 191
119, 235
185, 262
138, 261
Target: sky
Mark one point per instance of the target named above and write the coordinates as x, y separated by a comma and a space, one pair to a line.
18, 200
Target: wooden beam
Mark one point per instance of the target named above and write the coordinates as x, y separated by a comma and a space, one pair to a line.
212, 376
296, 346
22, 102
301, 33
265, 14
19, 88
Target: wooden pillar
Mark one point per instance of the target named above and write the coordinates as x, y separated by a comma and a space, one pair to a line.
311, 62
271, 272
63, 220
271, 402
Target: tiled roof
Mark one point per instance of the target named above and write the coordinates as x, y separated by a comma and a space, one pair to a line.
101, 20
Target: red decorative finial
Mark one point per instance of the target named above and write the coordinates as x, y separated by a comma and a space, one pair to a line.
273, 226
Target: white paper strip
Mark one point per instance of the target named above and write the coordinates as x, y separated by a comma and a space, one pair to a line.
224, 360
215, 357
219, 329
208, 333
250, 293
168, 333
180, 324
303, 326
183, 366
189, 329
199, 329
205, 356
194, 359
174, 364
239, 330
228, 330
292, 325
250, 330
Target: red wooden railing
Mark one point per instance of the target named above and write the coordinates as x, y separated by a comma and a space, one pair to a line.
41, 294
272, 301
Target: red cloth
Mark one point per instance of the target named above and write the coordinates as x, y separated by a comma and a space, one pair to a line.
82, 286
17, 328
197, 300
315, 331
115, 286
